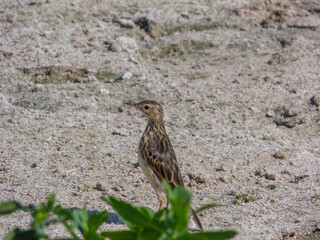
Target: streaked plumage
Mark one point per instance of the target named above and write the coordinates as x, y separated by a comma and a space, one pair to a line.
156, 155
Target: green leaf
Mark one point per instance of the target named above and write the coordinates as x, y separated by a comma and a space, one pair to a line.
147, 212
205, 207
180, 200
63, 214
17, 234
51, 202
9, 207
96, 220
120, 235
208, 235
131, 215
80, 218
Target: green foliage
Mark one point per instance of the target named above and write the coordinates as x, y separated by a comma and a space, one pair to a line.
245, 198
143, 223
85, 188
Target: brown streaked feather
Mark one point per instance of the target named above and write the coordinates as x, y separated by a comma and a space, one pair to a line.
160, 155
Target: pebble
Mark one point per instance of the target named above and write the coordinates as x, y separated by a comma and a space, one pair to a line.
115, 47
270, 176
126, 23
127, 44
222, 168
10, 121
100, 187
311, 22
280, 155
104, 92
270, 114
291, 112
34, 165
38, 88
288, 123
127, 76
315, 100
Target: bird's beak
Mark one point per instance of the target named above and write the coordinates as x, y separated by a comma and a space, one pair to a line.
132, 105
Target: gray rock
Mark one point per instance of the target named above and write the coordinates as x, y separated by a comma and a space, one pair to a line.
292, 112
127, 44
126, 23
315, 100
115, 47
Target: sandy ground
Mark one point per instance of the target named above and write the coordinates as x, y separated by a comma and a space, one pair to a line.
238, 80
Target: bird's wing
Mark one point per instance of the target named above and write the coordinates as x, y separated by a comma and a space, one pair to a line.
162, 160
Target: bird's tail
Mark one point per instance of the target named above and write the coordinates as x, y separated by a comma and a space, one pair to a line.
196, 220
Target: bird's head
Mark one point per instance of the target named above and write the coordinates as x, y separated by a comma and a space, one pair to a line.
151, 109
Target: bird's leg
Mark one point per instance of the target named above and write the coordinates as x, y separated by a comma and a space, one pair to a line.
161, 203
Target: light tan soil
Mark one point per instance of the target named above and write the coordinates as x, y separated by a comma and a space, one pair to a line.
239, 82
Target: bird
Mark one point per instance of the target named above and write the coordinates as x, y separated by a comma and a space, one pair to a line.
156, 155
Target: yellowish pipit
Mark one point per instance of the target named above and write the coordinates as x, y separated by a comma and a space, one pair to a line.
156, 155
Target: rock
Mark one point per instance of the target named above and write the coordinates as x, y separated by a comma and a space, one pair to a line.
298, 179
191, 176
278, 121
222, 168
315, 100
127, 76
270, 176
115, 47
280, 155
270, 114
292, 112
100, 187
11, 121
290, 123
127, 44
223, 179
126, 23
104, 92
200, 179
33, 165
38, 88
311, 22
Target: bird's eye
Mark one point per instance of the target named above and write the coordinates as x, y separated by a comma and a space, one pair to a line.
146, 107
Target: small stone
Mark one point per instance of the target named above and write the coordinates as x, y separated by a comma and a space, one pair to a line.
270, 114
298, 179
38, 88
34, 165
280, 155
10, 121
223, 179
191, 176
315, 100
278, 121
115, 47
126, 23
128, 44
291, 123
291, 112
311, 22
192, 183
200, 179
286, 172
100, 187
270, 176
127, 76
222, 168
271, 186
104, 92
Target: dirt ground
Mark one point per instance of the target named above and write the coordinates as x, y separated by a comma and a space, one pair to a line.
239, 82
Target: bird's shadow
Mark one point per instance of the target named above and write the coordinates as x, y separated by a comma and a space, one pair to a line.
113, 217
